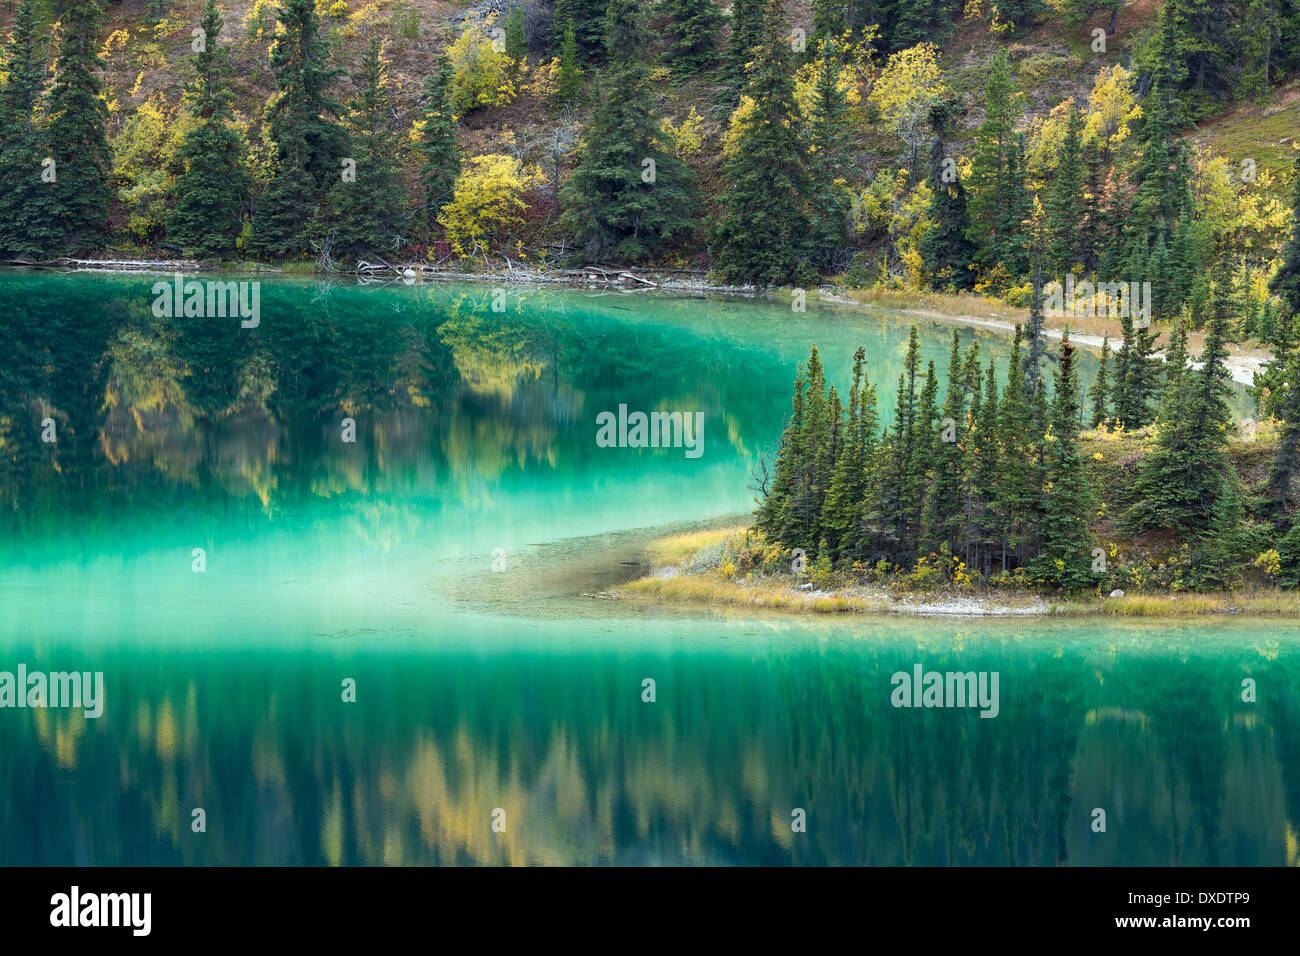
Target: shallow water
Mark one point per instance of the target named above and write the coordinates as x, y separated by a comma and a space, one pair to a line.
514, 689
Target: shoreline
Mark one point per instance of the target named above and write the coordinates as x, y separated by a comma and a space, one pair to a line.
1244, 364
678, 578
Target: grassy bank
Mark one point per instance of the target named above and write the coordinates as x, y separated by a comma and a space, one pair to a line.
700, 569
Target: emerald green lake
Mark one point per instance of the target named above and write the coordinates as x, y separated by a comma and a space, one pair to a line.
516, 689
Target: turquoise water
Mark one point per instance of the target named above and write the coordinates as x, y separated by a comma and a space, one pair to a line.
515, 689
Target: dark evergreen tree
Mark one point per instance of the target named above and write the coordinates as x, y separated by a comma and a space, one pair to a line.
763, 234
28, 208
628, 197
211, 192
828, 134
1017, 484
850, 483
747, 33
366, 214
946, 517
693, 43
78, 141
946, 248
770, 516
989, 517
1282, 376
568, 84
1134, 376
993, 183
591, 26
1187, 471
1065, 203
1286, 283
1065, 558
310, 146
516, 42
902, 501
1099, 392
438, 142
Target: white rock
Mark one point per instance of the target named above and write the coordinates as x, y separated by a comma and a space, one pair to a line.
1117, 593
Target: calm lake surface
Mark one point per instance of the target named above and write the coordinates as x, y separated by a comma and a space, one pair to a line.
477, 689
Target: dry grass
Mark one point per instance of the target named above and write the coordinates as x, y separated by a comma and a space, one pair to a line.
1264, 603
676, 548
715, 592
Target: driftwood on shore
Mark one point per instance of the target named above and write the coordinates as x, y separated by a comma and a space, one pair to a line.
514, 272
112, 265
377, 268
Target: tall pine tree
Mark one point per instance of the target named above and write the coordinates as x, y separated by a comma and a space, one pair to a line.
27, 203
437, 142
367, 214
210, 193
627, 197
762, 237
310, 146
1065, 557
78, 141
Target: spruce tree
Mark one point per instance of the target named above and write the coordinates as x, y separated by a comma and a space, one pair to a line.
1284, 369
1134, 376
367, 215
992, 168
310, 146
1065, 205
628, 197
1175, 367
1183, 476
988, 457
946, 248
902, 502
1099, 392
848, 491
1221, 553
1288, 550
762, 237
1286, 282
27, 204
438, 142
770, 515
1065, 557
568, 83
516, 43
210, 193
945, 518
78, 141
1011, 248
693, 44
1018, 485
801, 518
827, 162
1162, 178
747, 22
